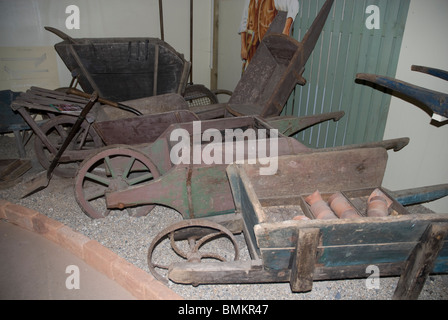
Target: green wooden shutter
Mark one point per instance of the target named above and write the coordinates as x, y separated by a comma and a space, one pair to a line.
347, 47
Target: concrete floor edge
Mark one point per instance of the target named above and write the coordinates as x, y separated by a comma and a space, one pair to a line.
138, 282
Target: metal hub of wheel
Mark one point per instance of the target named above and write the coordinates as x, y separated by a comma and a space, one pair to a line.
113, 169
195, 234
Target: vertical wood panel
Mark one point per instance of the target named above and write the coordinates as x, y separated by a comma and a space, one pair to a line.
346, 47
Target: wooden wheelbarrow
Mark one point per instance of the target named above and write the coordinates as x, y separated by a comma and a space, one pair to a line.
287, 242
121, 69
108, 173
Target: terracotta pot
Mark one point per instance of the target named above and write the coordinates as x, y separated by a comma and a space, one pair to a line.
319, 207
378, 193
313, 198
342, 207
377, 207
378, 204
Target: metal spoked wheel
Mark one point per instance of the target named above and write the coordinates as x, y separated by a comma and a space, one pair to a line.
57, 130
191, 241
112, 169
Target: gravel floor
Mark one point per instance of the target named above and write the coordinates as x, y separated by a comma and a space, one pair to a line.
130, 237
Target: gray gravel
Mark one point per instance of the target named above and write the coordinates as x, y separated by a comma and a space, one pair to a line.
130, 238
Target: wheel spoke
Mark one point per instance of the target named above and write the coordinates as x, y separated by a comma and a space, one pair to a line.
128, 167
61, 131
207, 238
111, 168
175, 247
97, 178
94, 193
84, 136
139, 179
215, 256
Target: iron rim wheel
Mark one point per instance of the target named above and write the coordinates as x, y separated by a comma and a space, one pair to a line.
196, 234
57, 130
112, 169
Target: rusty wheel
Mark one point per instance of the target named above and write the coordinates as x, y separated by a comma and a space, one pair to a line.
114, 168
191, 241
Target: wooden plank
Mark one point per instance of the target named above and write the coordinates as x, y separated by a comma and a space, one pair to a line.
304, 260
326, 172
420, 262
11, 169
246, 202
340, 232
222, 272
142, 129
240, 272
342, 256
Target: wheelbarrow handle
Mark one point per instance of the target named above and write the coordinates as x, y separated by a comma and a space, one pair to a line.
104, 101
436, 101
60, 34
442, 74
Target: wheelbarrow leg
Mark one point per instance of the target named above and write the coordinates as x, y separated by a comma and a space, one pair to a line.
421, 262
304, 260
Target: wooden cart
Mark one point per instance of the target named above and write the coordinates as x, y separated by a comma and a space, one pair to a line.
123, 176
61, 111
288, 244
121, 69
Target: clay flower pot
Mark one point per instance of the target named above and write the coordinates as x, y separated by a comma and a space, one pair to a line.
378, 204
319, 207
377, 207
342, 207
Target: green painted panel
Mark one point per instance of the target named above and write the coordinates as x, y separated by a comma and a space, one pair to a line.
347, 47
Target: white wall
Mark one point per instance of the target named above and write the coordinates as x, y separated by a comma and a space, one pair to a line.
229, 52
425, 160
22, 25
